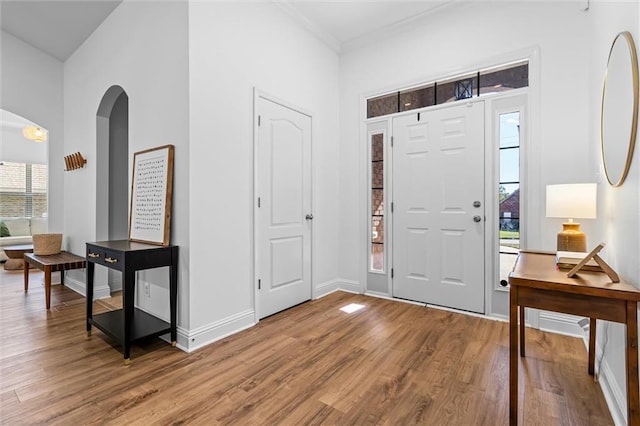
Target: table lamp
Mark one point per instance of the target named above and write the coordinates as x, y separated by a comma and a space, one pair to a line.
572, 201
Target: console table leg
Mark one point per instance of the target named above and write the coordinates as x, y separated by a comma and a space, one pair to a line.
522, 327
47, 285
90, 269
173, 295
633, 393
128, 286
25, 269
513, 357
592, 345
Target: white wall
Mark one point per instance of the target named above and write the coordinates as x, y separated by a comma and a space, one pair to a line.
142, 47
31, 86
232, 49
619, 208
462, 38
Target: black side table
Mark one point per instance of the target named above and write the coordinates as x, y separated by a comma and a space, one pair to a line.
129, 323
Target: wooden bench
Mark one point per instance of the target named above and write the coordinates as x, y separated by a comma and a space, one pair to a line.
62, 261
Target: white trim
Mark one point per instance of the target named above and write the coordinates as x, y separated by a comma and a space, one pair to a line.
254, 212
275, 99
383, 33
613, 394
190, 340
99, 292
377, 294
469, 313
559, 323
317, 31
326, 288
394, 299
350, 286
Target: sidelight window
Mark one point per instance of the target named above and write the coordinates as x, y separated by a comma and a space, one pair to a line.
509, 192
377, 203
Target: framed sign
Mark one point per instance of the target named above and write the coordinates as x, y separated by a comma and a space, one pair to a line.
151, 193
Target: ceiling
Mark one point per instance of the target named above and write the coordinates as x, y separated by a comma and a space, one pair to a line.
55, 27
60, 27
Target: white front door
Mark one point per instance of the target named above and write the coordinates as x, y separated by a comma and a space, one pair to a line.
438, 216
283, 207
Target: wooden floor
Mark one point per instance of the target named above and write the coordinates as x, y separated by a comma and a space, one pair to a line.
389, 363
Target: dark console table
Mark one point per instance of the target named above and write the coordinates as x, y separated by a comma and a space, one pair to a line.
129, 323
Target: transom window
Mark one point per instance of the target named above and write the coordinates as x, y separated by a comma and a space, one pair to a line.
483, 82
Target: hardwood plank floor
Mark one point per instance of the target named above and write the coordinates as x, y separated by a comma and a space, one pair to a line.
390, 363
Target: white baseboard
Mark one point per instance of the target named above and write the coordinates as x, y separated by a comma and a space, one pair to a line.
190, 340
378, 295
99, 292
614, 396
115, 285
326, 288
336, 284
560, 323
613, 393
350, 285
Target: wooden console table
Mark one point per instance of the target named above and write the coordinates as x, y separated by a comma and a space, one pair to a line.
536, 283
129, 323
62, 261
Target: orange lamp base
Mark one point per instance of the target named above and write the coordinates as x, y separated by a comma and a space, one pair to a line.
571, 238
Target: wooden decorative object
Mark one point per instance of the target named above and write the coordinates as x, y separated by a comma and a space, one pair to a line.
151, 193
74, 161
593, 254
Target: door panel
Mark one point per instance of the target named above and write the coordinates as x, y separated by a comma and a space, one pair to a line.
287, 144
286, 260
438, 164
283, 235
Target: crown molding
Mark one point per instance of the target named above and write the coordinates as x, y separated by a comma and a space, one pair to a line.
387, 30
322, 35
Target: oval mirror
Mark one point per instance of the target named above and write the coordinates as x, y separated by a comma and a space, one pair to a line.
619, 114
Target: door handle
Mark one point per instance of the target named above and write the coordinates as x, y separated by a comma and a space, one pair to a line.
477, 218
309, 217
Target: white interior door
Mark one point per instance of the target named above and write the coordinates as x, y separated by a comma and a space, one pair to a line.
283, 213
438, 232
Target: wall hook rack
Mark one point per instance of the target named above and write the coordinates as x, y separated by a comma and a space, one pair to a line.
74, 161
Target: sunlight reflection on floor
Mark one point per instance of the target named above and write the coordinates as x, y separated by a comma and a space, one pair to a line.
351, 308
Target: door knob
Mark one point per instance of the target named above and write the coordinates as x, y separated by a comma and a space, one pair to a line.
309, 217
477, 218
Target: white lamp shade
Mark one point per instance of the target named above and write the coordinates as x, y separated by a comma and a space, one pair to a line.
572, 201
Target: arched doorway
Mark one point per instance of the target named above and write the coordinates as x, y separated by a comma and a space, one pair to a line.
24, 183
112, 175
